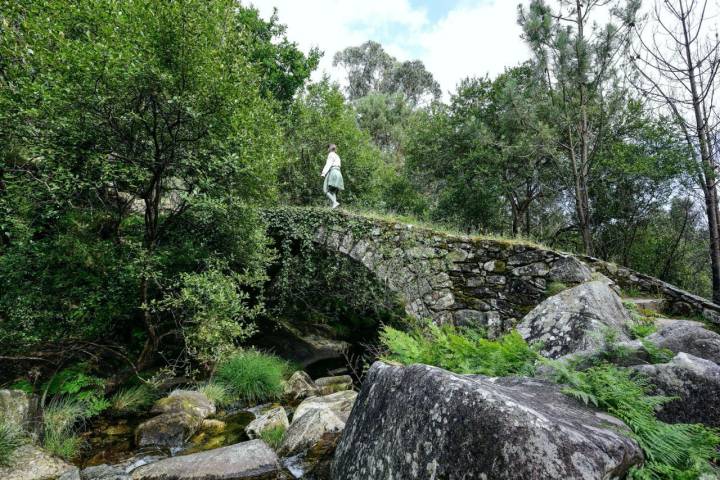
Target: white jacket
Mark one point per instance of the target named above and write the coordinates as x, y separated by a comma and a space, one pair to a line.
333, 160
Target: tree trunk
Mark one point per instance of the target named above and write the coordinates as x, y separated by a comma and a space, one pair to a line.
708, 173
580, 169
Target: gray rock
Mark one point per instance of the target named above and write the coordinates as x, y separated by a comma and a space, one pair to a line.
188, 401
32, 463
425, 422
168, 430
300, 385
329, 385
273, 418
104, 472
253, 459
689, 337
696, 383
73, 474
570, 270
309, 429
19, 408
339, 403
576, 319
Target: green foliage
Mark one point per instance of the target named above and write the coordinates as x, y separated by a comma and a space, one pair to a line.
657, 354
318, 117
554, 288
60, 421
217, 392
133, 399
79, 386
671, 450
273, 436
213, 312
460, 351
252, 376
11, 438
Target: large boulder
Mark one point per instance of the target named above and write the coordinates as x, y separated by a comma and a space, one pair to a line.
32, 463
273, 418
187, 401
689, 337
425, 422
569, 270
247, 460
576, 320
169, 430
339, 403
695, 382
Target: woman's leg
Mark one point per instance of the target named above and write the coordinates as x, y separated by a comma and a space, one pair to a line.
331, 196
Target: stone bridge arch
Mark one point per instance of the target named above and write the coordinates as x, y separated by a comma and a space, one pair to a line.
459, 279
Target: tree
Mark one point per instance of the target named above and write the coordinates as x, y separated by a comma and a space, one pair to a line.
580, 70
679, 62
146, 143
371, 69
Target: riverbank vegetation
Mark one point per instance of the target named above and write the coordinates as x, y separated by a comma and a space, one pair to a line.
140, 142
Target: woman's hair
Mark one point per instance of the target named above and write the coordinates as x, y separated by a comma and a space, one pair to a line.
332, 147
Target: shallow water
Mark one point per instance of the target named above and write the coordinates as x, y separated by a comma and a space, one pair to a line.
111, 440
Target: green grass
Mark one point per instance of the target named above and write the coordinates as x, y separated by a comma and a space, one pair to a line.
461, 351
273, 436
439, 228
60, 419
217, 392
554, 288
11, 438
252, 376
133, 399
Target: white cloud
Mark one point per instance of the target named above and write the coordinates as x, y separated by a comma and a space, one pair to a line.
474, 38
474, 41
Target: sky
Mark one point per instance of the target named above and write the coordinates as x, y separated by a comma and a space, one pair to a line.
454, 38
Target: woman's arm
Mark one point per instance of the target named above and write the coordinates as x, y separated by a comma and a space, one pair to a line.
328, 164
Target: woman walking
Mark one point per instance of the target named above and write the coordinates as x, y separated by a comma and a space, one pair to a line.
333, 178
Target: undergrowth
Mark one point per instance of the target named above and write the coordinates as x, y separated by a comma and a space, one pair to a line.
461, 351
133, 399
273, 436
252, 376
11, 438
672, 451
217, 392
60, 421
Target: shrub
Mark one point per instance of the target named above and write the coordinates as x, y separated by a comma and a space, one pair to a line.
11, 437
217, 392
253, 376
133, 399
460, 351
672, 451
273, 436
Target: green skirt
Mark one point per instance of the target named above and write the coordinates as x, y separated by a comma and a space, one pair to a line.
333, 179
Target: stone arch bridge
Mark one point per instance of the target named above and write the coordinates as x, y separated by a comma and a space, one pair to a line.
464, 280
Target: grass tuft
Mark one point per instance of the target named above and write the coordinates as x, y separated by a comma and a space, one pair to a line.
133, 399
554, 288
273, 436
253, 376
11, 438
217, 392
60, 419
